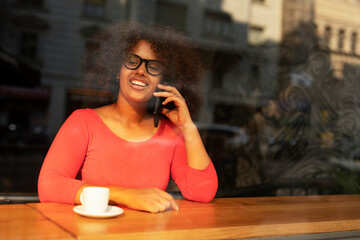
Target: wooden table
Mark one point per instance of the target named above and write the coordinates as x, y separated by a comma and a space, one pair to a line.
19, 221
224, 218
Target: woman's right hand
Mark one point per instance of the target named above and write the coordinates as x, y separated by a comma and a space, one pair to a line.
145, 199
149, 199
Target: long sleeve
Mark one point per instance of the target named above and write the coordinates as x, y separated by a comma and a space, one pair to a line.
195, 185
86, 147
57, 181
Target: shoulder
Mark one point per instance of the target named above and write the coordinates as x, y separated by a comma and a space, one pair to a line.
84, 114
81, 117
77, 124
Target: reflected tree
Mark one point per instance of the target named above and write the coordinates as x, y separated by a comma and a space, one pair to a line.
311, 129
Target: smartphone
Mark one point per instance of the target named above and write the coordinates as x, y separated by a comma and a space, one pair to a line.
158, 108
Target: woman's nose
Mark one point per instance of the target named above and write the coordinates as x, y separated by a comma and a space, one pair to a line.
141, 70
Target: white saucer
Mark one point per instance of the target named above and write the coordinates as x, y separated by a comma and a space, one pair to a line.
111, 211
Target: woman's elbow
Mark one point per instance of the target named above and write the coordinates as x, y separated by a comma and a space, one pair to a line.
203, 194
43, 191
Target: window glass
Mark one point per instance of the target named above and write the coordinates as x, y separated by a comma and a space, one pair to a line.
256, 35
217, 24
28, 45
354, 39
341, 39
172, 14
94, 8
280, 91
327, 36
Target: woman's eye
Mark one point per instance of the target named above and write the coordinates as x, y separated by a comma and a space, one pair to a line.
153, 67
133, 60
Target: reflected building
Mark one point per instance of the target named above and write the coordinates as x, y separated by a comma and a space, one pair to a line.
317, 126
338, 24
237, 40
336, 27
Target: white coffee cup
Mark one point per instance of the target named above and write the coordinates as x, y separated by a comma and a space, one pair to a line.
95, 199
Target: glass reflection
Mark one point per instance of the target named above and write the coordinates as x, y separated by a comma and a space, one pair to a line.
280, 92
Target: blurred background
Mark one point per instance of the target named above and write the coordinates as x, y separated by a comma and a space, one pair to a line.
281, 104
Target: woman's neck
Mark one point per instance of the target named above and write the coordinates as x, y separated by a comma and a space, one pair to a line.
131, 114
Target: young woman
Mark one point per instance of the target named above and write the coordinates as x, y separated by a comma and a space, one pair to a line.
118, 146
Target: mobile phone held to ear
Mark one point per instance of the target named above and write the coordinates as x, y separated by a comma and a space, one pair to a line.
158, 108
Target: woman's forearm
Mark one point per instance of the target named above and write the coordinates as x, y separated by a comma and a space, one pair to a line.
196, 154
145, 199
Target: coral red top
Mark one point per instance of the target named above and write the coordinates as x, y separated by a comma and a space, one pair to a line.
85, 150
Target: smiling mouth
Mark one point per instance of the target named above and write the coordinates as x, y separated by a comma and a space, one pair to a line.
138, 83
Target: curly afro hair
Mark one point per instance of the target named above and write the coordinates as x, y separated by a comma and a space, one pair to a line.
183, 66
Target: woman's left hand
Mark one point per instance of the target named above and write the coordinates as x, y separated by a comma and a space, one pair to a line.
196, 154
180, 115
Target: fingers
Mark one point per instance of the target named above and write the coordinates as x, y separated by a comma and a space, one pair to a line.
169, 91
174, 99
167, 88
158, 207
171, 95
162, 206
174, 205
155, 200
165, 201
180, 115
168, 94
170, 200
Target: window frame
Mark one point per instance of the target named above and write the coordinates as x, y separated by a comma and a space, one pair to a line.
219, 19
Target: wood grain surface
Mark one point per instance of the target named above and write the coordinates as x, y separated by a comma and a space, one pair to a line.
224, 218
19, 221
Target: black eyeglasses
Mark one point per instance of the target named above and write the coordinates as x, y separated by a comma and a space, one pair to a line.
153, 67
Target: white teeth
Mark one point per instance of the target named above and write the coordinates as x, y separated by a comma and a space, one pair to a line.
136, 82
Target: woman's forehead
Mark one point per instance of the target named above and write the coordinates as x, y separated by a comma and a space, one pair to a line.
144, 49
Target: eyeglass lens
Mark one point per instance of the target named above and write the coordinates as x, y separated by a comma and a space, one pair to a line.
153, 67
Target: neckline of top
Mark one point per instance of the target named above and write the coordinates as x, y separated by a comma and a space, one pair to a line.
160, 128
